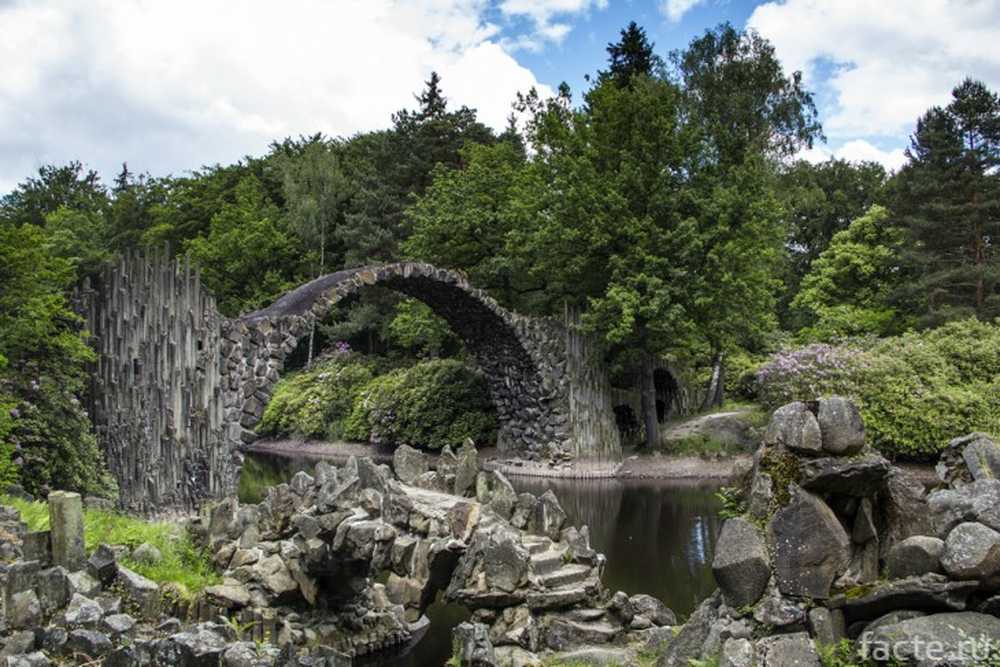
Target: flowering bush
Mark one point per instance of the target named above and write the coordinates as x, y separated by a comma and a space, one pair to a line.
915, 391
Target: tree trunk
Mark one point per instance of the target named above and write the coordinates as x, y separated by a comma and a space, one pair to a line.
648, 394
714, 395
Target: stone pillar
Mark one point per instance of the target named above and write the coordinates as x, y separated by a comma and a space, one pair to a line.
66, 525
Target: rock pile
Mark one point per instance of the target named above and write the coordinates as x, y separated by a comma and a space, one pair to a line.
314, 548
830, 541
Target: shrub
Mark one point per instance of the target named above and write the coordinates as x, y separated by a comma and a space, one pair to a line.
315, 403
432, 404
915, 391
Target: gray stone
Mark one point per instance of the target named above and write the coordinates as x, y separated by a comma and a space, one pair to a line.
978, 501
690, 641
494, 490
741, 565
466, 470
102, 565
34, 659
66, 526
982, 456
811, 548
474, 647
198, 648
860, 476
82, 612
653, 609
228, 596
118, 624
828, 627
562, 633
902, 509
147, 554
24, 610
737, 653
84, 584
841, 425
18, 643
915, 556
141, 595
793, 650
54, 638
971, 551
761, 496
53, 589
951, 633
794, 426
891, 618
548, 516
864, 530
931, 592
777, 611
409, 464
89, 643
38, 546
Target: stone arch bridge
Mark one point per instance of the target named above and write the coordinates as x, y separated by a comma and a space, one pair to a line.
178, 389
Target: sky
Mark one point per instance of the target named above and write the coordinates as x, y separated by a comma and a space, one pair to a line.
170, 86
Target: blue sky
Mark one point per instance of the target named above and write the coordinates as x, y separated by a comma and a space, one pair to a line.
168, 87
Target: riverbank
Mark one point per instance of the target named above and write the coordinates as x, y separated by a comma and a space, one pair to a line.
633, 466
657, 465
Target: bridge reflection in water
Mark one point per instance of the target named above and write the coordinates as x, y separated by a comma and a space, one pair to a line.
658, 536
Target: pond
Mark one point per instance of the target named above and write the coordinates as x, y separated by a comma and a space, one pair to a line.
658, 536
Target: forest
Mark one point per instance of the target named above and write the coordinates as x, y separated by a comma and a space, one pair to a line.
665, 203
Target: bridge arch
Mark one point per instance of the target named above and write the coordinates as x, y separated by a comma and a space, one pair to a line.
523, 358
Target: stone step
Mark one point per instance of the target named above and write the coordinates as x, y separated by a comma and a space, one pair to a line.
580, 633
548, 562
586, 614
565, 575
535, 544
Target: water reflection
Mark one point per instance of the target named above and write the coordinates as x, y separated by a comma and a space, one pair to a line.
658, 536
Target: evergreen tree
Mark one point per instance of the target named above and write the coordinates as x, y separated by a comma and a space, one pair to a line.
949, 198
632, 55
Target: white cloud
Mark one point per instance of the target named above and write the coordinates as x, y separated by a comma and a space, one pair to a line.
543, 14
675, 10
890, 61
170, 86
857, 150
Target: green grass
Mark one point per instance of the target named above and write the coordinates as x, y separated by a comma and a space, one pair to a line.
182, 563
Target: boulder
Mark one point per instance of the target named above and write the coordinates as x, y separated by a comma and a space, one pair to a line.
83, 583
53, 589
902, 509
33, 659
841, 426
811, 548
548, 516
474, 649
147, 554
118, 624
140, 594
761, 495
860, 476
741, 565
198, 648
792, 650
466, 470
24, 611
938, 639
981, 454
82, 612
971, 551
827, 626
653, 609
978, 501
689, 643
102, 565
409, 464
228, 596
495, 491
89, 643
38, 546
17, 643
864, 531
794, 426
777, 611
915, 556
931, 592
737, 653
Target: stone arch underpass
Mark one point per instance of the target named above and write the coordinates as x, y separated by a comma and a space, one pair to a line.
178, 388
